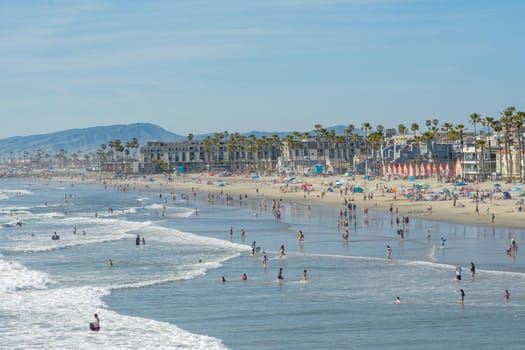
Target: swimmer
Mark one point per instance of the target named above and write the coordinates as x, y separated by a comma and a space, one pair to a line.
305, 276
110, 262
398, 300
223, 279
506, 295
443, 240
244, 277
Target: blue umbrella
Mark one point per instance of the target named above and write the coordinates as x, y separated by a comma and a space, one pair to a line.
411, 178
460, 183
358, 190
497, 185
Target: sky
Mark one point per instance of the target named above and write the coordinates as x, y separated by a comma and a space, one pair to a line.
200, 66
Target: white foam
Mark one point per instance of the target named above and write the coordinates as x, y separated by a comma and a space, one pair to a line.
59, 319
14, 276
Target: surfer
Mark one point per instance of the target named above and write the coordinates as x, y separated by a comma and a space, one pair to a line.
95, 326
137, 240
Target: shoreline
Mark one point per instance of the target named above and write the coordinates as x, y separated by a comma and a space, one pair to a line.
393, 195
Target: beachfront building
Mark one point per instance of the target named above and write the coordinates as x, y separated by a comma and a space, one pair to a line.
302, 155
208, 155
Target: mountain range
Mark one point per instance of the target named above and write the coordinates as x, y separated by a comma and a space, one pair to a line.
89, 139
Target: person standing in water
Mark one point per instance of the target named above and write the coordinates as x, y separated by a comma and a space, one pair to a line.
458, 272
95, 326
282, 251
472, 269
305, 276
506, 295
461, 296
388, 252
280, 277
137, 240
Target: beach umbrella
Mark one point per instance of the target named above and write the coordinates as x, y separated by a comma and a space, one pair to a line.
255, 177
497, 185
418, 186
411, 178
516, 189
460, 183
506, 195
220, 184
358, 190
425, 186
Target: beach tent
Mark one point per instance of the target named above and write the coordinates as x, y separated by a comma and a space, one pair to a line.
318, 169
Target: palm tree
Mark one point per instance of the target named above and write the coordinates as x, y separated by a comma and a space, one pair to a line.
507, 125
518, 124
460, 128
366, 127
487, 121
474, 120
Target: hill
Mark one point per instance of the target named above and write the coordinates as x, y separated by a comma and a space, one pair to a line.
88, 139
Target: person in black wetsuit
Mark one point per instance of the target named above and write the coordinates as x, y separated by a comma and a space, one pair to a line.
137, 240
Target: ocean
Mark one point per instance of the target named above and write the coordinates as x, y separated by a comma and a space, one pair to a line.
168, 294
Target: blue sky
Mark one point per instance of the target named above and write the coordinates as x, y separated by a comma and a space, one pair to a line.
276, 65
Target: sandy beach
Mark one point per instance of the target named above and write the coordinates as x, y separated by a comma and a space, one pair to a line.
436, 200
